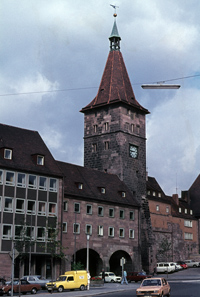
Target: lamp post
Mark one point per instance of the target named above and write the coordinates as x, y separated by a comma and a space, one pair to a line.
87, 266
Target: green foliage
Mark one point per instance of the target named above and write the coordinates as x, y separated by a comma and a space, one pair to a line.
77, 266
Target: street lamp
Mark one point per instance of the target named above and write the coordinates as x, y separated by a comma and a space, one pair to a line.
87, 266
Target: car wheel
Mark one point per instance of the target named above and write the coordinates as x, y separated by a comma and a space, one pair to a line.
33, 291
168, 295
9, 292
60, 289
82, 287
112, 281
194, 266
162, 295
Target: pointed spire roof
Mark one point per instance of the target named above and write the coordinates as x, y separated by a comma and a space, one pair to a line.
115, 84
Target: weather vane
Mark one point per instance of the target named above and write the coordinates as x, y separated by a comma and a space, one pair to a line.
115, 7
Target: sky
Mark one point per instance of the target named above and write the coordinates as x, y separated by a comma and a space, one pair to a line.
52, 57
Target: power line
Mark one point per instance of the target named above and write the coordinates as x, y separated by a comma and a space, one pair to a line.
87, 88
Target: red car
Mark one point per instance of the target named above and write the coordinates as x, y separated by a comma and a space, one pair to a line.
183, 264
136, 276
24, 288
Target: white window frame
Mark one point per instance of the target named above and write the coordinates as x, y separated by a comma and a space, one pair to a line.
77, 230
89, 209
111, 231
179, 209
80, 186
111, 215
64, 228
42, 208
132, 215
121, 214
0, 203
121, 233
41, 237
131, 233
103, 190
123, 194
53, 185
167, 209
10, 181
188, 236
100, 230
30, 232
40, 160
188, 223
65, 205
1, 177
33, 210
77, 204
8, 235
185, 210
32, 185
42, 183
88, 229
20, 210
22, 182
157, 207
21, 228
51, 206
100, 211
10, 208
7, 154
191, 211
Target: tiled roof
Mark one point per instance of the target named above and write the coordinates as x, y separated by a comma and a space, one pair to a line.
115, 85
93, 180
153, 185
26, 144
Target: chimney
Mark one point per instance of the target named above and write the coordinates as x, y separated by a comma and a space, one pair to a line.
175, 198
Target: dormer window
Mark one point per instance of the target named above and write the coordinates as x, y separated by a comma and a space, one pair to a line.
7, 154
40, 160
123, 194
103, 190
80, 186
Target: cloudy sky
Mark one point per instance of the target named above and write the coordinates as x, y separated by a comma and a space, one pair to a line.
48, 45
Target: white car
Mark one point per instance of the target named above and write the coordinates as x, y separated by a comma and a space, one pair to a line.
192, 263
36, 279
110, 277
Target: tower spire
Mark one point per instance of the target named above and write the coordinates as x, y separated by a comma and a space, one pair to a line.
114, 37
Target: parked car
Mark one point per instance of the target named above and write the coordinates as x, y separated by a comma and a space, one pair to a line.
183, 264
136, 276
156, 286
110, 277
192, 263
24, 287
177, 266
165, 267
36, 279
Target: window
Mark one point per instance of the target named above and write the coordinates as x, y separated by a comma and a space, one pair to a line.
89, 209
121, 214
154, 193
31, 207
32, 181
52, 209
7, 231
65, 206
10, 178
157, 208
40, 160
0, 202
106, 125
167, 209
103, 190
95, 128
40, 234
51, 234
179, 209
138, 129
64, 229
148, 192
77, 207
188, 223
188, 236
100, 211
42, 208
42, 183
30, 232
185, 210
159, 194
80, 186
121, 232
191, 212
76, 229
8, 204
106, 145
1, 176
111, 212
8, 154
52, 185
111, 232
100, 230
131, 233
132, 128
94, 147
21, 180
19, 232
88, 229
20, 205
123, 194
132, 215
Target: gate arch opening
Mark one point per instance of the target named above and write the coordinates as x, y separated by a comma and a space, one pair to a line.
114, 262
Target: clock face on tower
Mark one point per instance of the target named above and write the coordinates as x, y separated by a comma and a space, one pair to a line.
133, 151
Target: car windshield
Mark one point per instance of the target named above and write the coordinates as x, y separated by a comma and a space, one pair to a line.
61, 278
152, 282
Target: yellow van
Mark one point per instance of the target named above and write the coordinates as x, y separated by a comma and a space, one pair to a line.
70, 280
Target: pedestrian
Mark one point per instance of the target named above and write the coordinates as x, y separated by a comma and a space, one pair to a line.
88, 277
103, 275
155, 271
124, 279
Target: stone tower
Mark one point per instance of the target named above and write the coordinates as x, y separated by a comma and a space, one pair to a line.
114, 125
